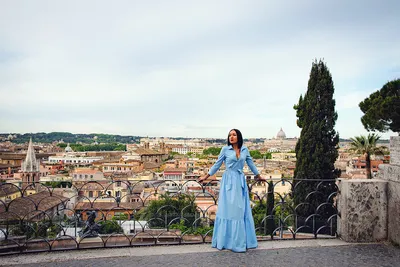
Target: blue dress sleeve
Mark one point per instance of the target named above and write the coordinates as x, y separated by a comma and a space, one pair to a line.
218, 163
250, 163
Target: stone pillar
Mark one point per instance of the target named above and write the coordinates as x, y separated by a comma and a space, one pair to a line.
362, 206
395, 150
391, 174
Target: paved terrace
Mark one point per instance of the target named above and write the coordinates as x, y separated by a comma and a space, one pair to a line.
330, 252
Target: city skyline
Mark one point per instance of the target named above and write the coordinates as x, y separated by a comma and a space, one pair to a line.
191, 70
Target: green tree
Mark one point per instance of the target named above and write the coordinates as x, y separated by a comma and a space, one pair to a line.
255, 154
367, 145
382, 109
270, 222
317, 148
268, 155
273, 213
110, 227
41, 229
62, 145
160, 213
55, 184
212, 150
73, 138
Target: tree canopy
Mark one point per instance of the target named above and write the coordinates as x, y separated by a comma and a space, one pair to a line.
317, 147
98, 147
256, 154
367, 145
74, 138
169, 210
382, 109
316, 150
212, 150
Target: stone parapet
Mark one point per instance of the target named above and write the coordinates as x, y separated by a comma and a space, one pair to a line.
395, 150
389, 172
394, 212
363, 210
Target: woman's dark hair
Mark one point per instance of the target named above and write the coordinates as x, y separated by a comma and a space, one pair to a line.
239, 138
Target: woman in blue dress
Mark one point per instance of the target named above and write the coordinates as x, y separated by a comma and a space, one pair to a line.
234, 224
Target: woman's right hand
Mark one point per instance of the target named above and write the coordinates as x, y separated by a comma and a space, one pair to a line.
201, 179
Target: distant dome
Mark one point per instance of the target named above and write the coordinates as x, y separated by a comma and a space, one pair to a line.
281, 134
68, 149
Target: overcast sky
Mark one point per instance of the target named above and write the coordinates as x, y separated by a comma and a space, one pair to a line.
188, 68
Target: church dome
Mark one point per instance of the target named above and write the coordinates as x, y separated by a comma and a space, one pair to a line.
68, 149
281, 134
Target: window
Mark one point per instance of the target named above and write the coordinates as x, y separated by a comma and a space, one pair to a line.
86, 176
91, 176
90, 193
119, 183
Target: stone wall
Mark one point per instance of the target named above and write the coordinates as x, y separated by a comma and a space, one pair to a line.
369, 210
362, 206
391, 174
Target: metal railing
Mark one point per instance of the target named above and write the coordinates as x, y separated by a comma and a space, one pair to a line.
50, 217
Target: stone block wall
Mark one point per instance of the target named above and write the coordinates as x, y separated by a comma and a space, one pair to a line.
369, 209
391, 174
362, 206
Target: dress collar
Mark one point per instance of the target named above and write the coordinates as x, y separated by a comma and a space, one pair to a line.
231, 147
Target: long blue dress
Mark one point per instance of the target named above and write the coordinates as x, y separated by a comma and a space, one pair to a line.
234, 224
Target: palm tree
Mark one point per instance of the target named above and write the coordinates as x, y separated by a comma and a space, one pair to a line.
366, 145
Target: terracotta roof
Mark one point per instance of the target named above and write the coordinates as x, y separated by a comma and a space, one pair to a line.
108, 206
22, 156
6, 165
151, 165
31, 206
175, 170
132, 160
8, 189
12, 156
85, 171
97, 162
146, 151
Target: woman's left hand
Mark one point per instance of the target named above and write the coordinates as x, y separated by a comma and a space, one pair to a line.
259, 178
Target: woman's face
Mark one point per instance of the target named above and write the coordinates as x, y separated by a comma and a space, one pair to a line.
233, 137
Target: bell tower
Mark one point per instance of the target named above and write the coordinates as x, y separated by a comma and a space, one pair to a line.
30, 167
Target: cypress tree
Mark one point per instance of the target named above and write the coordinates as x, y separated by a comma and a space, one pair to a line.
316, 149
270, 221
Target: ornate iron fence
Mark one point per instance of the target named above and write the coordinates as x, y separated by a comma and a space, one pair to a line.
62, 216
